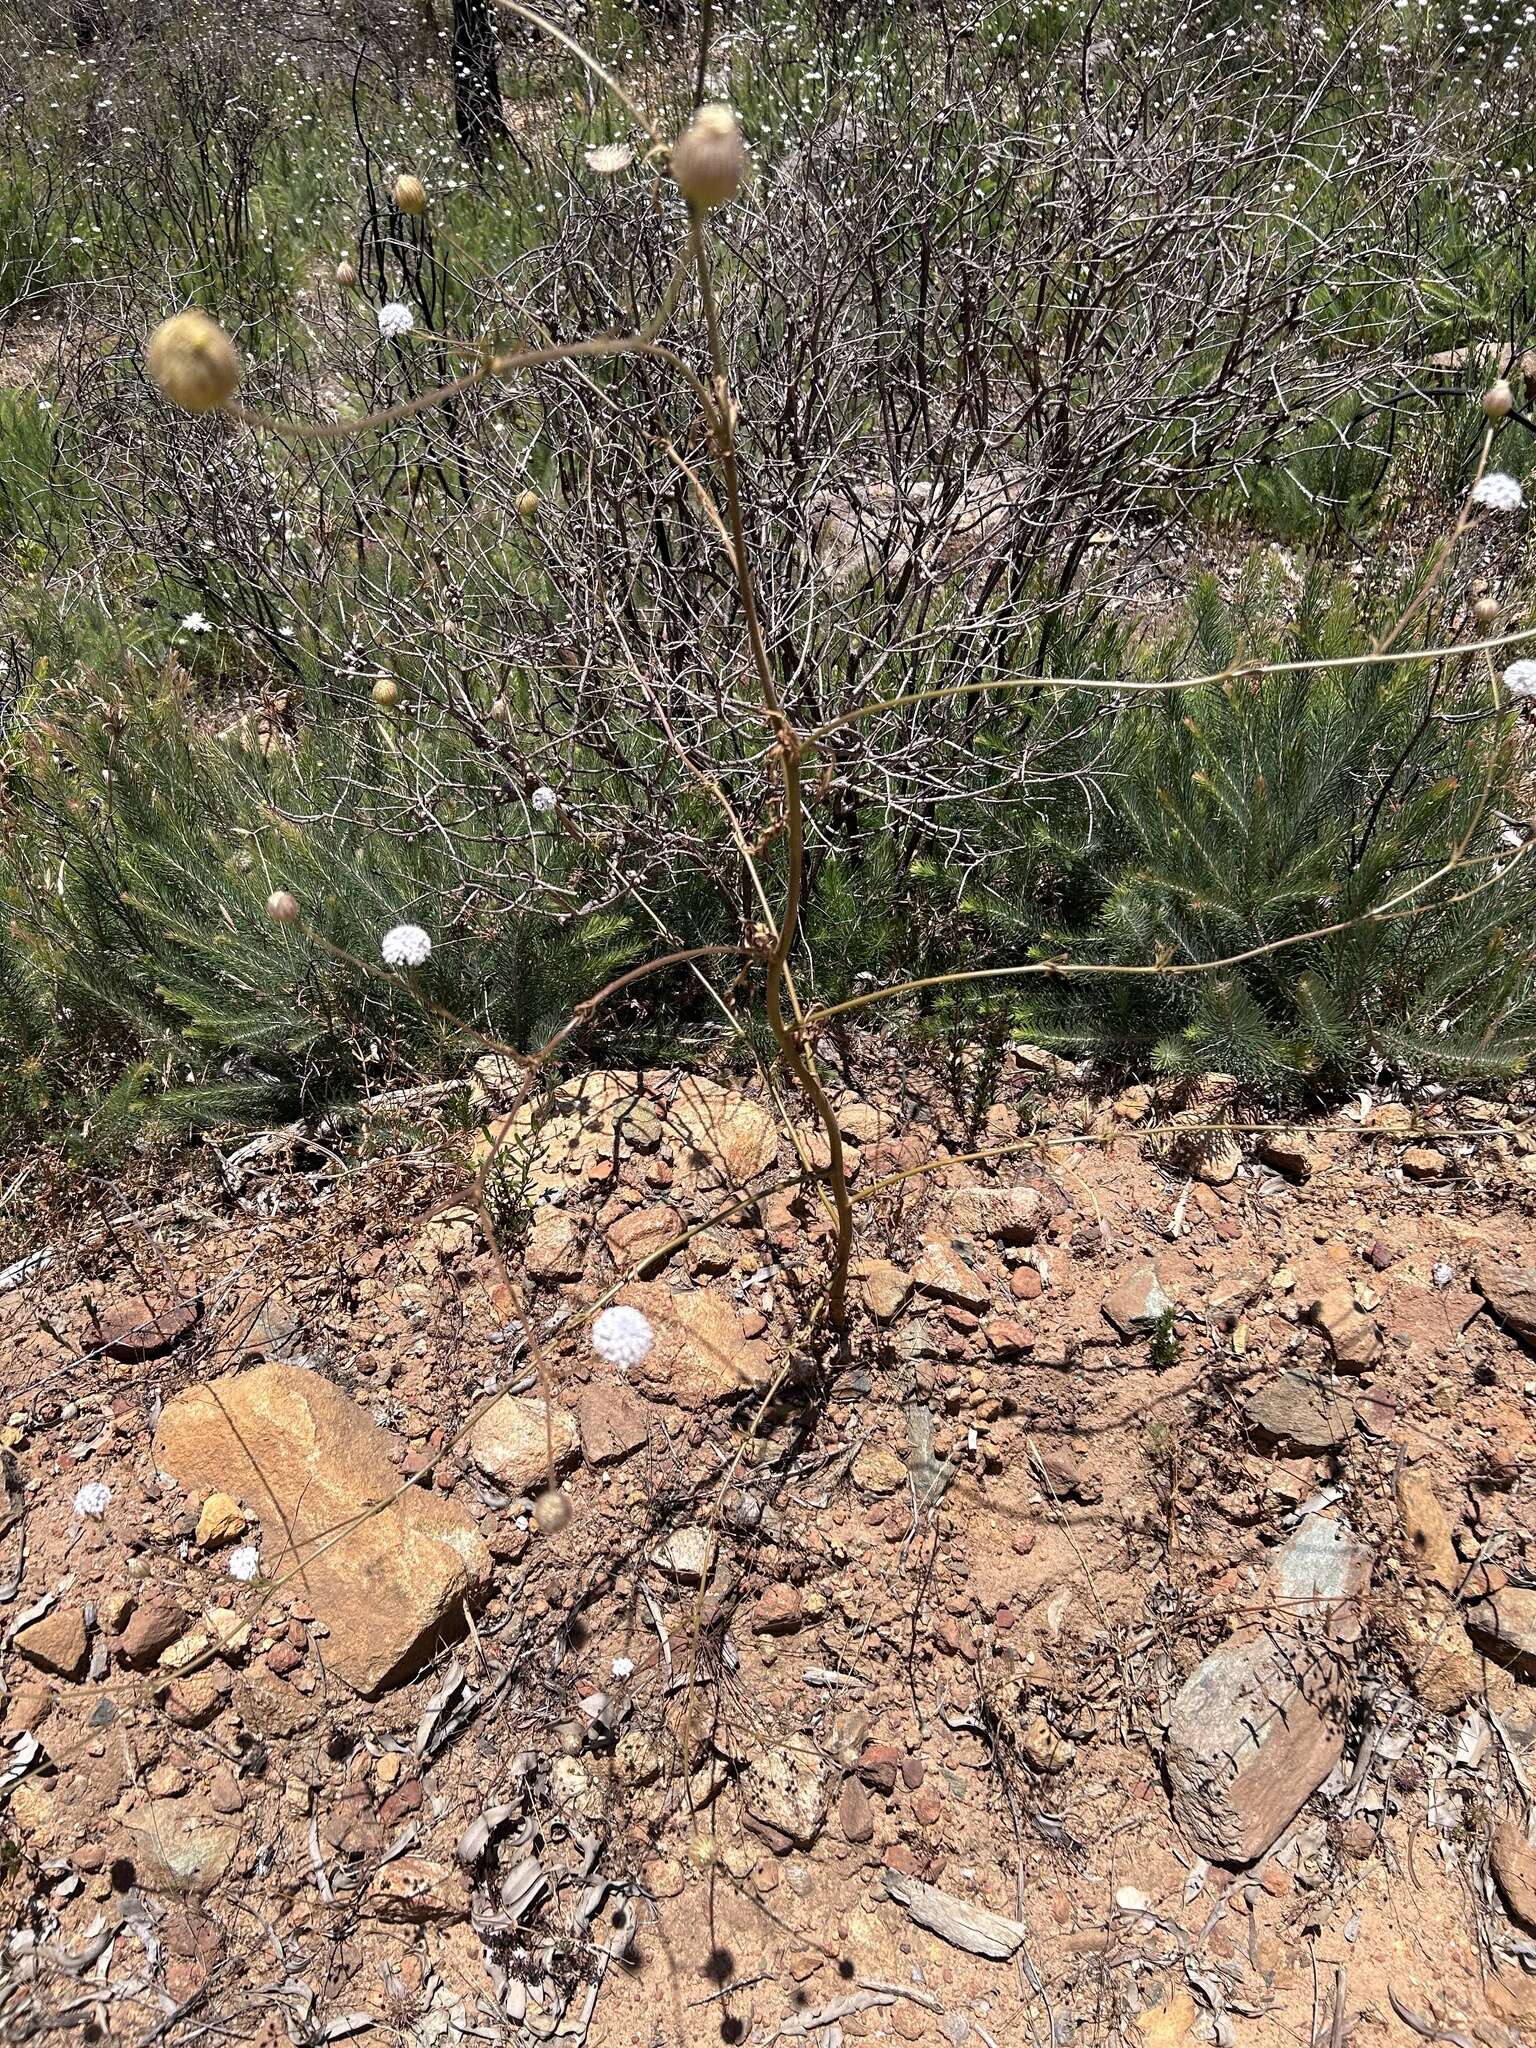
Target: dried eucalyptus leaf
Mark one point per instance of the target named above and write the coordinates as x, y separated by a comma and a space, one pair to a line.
453, 1678
348, 2024
476, 1838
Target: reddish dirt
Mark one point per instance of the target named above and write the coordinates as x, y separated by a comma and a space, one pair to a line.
980, 1681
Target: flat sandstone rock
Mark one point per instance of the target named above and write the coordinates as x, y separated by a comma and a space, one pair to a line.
1510, 1292
1253, 1733
309, 1463
702, 1352
516, 1440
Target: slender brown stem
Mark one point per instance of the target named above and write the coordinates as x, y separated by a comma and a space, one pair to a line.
598, 71
1172, 686
1404, 904
789, 1038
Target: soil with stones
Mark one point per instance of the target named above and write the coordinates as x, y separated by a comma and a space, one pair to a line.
1128, 1628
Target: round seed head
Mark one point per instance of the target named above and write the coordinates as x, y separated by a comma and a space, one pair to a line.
1499, 399
193, 361
1486, 610
551, 1512
527, 506
710, 158
282, 908
410, 194
386, 693
346, 273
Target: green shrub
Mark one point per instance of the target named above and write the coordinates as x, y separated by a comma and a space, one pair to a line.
1261, 809
141, 856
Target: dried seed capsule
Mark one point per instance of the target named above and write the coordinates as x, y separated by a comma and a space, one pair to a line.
710, 158
410, 194
193, 361
551, 1512
1499, 399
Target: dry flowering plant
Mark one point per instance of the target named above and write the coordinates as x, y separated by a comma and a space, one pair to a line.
196, 365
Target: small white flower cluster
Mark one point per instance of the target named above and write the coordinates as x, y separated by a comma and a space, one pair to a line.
544, 799
93, 1500
622, 1336
1497, 492
405, 945
1520, 680
244, 1563
195, 622
395, 321
623, 1667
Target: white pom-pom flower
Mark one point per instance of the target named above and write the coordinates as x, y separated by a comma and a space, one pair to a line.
93, 1500
1520, 680
623, 1667
395, 321
405, 945
244, 1563
622, 1336
544, 798
1497, 492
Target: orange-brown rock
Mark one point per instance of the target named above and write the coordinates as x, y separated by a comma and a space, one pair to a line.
702, 1352
387, 1575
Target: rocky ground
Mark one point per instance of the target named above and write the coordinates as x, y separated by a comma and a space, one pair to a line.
1125, 1634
